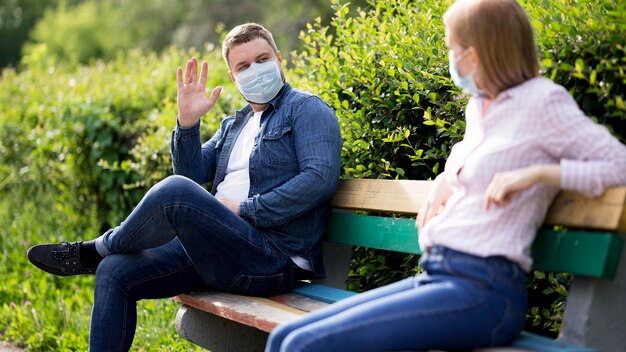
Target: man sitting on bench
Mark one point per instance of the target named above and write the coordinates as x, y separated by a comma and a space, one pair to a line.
274, 166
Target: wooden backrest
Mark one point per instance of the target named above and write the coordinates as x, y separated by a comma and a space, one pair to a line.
591, 250
607, 212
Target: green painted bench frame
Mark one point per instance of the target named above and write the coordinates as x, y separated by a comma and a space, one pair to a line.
580, 252
590, 248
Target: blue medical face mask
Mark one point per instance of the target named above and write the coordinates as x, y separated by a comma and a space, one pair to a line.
260, 82
466, 83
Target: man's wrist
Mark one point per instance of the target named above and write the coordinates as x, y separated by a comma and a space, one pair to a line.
184, 125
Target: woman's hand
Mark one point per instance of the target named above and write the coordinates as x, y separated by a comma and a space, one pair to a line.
192, 100
506, 184
436, 199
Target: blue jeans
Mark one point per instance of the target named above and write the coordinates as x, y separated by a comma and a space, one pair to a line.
459, 302
177, 240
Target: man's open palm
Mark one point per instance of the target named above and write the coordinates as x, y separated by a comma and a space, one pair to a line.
192, 100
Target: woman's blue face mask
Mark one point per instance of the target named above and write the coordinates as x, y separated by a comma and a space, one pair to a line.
466, 83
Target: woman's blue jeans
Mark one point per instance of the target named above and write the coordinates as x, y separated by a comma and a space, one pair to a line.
459, 302
177, 240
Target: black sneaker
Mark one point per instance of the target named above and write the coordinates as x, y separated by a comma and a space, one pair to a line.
59, 259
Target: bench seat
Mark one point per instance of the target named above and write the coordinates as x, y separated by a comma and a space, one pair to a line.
266, 313
587, 243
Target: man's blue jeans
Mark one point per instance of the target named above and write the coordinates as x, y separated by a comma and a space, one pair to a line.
459, 302
179, 239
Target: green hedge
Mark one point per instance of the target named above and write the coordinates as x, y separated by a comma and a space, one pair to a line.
385, 72
99, 134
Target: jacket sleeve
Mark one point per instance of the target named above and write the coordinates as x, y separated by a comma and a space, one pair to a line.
192, 159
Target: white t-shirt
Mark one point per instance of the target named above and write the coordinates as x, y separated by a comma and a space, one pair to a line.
236, 184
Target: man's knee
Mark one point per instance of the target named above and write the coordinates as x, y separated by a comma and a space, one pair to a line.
173, 186
111, 271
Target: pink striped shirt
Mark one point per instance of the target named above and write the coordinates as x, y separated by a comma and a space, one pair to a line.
536, 122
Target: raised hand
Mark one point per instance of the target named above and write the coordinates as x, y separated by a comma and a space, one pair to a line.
192, 100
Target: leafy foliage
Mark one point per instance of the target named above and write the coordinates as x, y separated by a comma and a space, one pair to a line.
80, 30
385, 72
95, 134
17, 18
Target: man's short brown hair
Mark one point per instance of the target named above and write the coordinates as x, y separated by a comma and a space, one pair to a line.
245, 33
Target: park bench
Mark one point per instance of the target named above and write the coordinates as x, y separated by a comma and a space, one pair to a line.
586, 243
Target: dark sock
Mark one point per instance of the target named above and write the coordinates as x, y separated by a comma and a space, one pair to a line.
89, 256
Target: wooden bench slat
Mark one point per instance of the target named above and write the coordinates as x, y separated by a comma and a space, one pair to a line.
257, 312
606, 212
396, 196
586, 253
306, 303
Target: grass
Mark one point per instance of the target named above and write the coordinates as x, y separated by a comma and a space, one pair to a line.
42, 312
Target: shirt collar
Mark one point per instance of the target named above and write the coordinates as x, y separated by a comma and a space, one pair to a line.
515, 91
280, 97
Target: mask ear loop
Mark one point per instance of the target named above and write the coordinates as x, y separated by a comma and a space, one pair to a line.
463, 56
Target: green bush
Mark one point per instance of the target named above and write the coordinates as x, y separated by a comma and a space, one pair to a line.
93, 29
96, 134
385, 71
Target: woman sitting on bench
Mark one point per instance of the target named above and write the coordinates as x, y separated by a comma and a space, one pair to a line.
525, 139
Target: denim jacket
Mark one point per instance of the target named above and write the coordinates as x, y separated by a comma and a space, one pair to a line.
294, 168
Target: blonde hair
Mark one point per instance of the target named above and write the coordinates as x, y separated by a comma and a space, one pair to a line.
501, 34
245, 33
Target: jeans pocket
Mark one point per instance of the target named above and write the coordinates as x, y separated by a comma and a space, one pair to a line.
256, 285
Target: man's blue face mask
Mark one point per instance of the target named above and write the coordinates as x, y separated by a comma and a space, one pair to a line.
260, 82
466, 83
